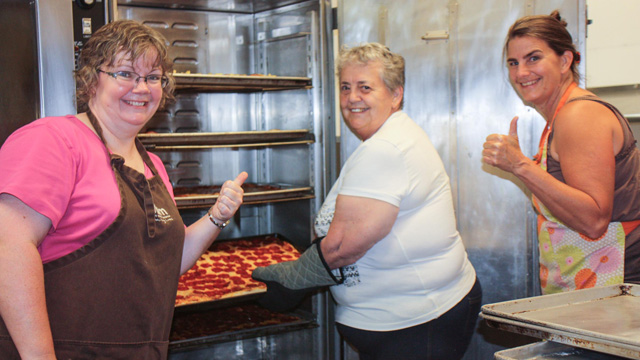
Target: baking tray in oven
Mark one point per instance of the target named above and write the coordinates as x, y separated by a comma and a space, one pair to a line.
238, 83
203, 329
204, 196
604, 319
232, 298
224, 139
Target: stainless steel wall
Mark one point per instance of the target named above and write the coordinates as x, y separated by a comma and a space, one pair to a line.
55, 57
457, 89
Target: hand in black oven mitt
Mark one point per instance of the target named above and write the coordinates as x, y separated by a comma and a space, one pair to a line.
288, 282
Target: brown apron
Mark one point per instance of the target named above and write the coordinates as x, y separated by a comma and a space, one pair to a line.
114, 297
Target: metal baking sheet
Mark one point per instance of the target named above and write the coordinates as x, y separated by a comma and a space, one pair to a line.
604, 319
548, 350
238, 83
282, 193
228, 139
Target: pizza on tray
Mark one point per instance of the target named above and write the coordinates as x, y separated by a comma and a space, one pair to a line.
224, 271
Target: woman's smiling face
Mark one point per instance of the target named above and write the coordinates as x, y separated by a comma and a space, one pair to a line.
535, 70
129, 104
365, 100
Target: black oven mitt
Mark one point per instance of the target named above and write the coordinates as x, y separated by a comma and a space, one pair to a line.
288, 282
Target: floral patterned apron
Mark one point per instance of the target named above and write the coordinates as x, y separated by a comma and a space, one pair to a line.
570, 260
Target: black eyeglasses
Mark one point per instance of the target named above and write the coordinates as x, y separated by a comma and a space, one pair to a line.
129, 77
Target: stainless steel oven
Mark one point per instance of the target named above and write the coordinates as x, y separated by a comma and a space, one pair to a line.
250, 85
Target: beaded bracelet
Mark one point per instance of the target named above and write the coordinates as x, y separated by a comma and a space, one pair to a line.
221, 226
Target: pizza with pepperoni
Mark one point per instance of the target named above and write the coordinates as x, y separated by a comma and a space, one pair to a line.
224, 271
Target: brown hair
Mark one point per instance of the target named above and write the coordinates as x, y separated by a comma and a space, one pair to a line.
392, 64
136, 40
551, 29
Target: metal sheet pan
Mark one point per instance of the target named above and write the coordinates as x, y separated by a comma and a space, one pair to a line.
281, 193
604, 319
223, 138
548, 350
238, 83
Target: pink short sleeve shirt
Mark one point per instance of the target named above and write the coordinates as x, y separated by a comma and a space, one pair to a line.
61, 169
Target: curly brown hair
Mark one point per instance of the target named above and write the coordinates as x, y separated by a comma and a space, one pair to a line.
551, 29
132, 37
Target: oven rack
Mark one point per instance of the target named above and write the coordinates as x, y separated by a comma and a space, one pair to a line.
251, 328
279, 194
235, 139
204, 83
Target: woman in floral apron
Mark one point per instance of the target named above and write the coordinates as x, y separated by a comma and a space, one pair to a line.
585, 179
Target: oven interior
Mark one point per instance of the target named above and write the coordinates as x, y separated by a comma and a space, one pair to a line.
247, 99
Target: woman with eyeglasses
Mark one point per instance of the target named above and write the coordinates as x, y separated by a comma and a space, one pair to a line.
91, 242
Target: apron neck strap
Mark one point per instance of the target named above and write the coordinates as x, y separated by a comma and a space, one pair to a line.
563, 101
547, 130
96, 125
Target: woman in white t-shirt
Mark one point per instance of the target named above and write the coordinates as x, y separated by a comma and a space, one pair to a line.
404, 286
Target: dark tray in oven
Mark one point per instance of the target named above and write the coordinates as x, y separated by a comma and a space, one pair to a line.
233, 323
239, 83
204, 196
224, 139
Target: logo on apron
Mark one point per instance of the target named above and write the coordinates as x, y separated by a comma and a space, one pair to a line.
162, 215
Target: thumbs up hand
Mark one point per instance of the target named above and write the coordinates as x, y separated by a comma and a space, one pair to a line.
503, 151
230, 198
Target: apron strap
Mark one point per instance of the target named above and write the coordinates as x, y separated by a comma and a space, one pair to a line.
629, 226
140, 186
544, 138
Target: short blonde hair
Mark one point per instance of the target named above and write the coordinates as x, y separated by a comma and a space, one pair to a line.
136, 40
392, 64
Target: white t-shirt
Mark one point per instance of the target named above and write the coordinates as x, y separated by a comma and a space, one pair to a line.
420, 270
